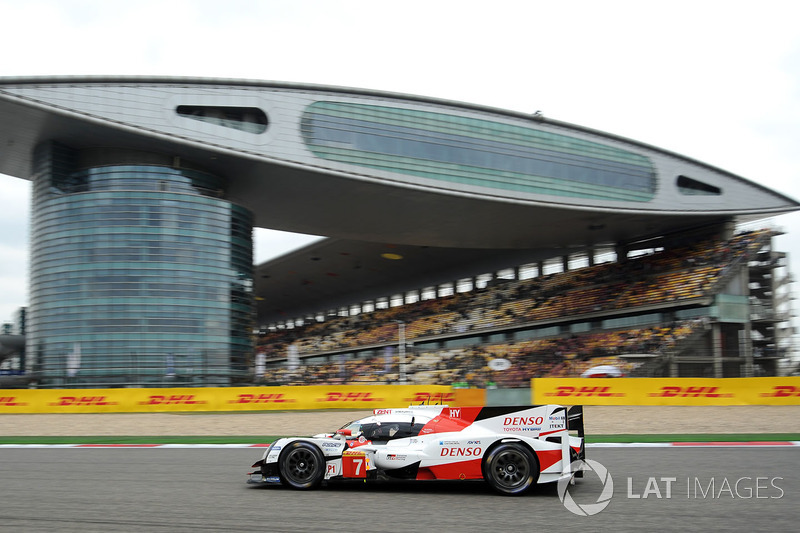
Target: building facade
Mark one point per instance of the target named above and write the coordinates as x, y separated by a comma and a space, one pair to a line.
141, 272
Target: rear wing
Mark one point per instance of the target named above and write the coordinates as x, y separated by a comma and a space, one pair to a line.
575, 419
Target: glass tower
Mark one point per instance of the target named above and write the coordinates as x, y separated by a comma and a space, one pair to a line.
141, 273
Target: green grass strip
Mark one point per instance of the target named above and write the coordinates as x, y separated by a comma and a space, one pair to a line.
694, 437
223, 439
250, 439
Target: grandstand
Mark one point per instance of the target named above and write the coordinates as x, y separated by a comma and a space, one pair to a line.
676, 311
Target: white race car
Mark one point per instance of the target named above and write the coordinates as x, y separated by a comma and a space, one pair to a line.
510, 447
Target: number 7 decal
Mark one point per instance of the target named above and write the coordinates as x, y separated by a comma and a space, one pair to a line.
354, 464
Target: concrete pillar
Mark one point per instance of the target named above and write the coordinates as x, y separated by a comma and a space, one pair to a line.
716, 339
746, 349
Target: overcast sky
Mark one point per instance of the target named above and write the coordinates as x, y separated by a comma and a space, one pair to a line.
716, 81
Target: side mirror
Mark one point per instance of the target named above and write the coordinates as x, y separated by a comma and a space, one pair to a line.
348, 434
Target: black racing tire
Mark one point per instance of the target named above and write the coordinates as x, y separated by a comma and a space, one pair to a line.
301, 465
510, 468
573, 458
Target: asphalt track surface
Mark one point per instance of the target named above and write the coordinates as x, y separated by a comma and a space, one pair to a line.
199, 489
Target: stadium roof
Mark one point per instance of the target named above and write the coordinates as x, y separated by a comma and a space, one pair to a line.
452, 186
334, 273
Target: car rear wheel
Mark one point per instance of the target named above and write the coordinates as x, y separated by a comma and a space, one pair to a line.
510, 468
301, 465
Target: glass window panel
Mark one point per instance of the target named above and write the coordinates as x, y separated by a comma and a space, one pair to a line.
475, 152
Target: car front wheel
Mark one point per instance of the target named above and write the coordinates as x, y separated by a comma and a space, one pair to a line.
510, 468
301, 465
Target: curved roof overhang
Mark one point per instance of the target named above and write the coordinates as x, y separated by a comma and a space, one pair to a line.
443, 229
315, 199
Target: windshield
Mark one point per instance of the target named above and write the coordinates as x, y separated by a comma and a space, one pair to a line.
383, 431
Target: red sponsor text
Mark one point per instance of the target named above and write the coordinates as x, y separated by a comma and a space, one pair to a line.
689, 392
10, 401
461, 452
82, 400
350, 397
262, 398
782, 391
603, 392
175, 399
427, 397
523, 421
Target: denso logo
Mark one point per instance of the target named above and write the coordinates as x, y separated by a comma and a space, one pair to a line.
584, 391
10, 401
689, 392
350, 397
176, 399
82, 400
461, 452
523, 421
382, 412
782, 391
262, 398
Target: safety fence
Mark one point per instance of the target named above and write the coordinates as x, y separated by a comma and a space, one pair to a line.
667, 391
230, 398
567, 391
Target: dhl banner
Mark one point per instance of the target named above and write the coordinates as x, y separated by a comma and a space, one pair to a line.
666, 391
225, 399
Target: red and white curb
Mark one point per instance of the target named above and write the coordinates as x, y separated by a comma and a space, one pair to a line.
717, 444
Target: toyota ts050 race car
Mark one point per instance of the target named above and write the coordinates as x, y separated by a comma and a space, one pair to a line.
511, 448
